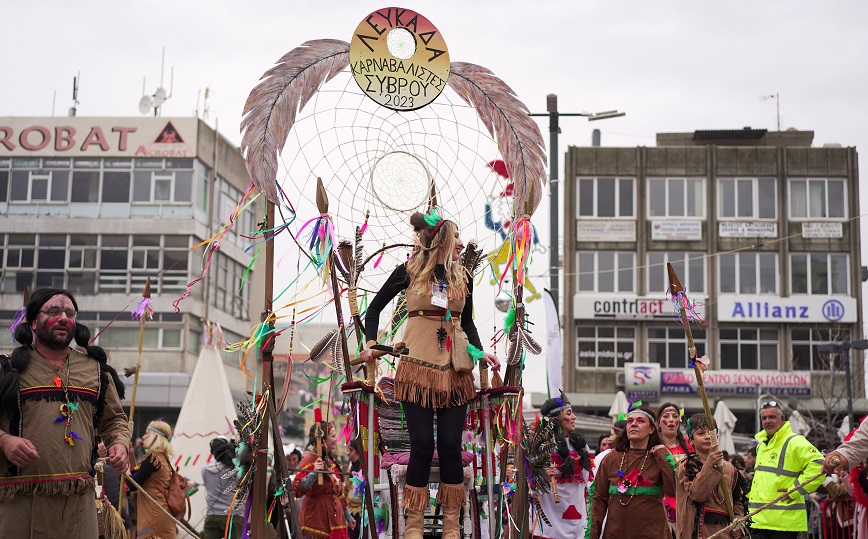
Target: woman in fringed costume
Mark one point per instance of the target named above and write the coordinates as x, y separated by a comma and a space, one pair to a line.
631, 482
154, 474
324, 512
671, 436
573, 472
701, 508
439, 294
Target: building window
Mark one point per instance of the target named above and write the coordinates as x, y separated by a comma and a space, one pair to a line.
606, 197
606, 271
747, 198
225, 292
85, 186
51, 261
819, 273
690, 268
38, 186
667, 346
818, 198
602, 346
749, 349
163, 186
20, 262
748, 273
676, 197
806, 357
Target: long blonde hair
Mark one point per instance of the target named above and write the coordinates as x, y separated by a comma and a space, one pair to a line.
422, 262
158, 442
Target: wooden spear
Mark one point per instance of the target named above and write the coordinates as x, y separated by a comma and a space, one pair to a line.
145, 309
677, 292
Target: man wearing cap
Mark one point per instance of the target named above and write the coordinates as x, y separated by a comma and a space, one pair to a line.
54, 401
784, 460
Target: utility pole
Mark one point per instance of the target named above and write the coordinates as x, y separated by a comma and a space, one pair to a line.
554, 183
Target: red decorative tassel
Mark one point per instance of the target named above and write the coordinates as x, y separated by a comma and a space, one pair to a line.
58, 382
448, 344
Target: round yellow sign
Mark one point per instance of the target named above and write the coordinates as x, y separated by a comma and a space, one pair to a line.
399, 59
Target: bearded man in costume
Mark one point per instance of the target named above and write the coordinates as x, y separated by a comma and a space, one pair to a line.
54, 401
572, 469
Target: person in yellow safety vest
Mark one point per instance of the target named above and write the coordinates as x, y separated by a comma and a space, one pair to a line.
784, 460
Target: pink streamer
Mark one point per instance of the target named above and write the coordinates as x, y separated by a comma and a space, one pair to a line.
215, 246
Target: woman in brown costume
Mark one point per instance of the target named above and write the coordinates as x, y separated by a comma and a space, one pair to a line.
631, 481
153, 474
440, 305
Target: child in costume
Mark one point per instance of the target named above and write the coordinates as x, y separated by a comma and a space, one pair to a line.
701, 508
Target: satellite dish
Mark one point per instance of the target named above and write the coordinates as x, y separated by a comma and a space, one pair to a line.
159, 96
145, 104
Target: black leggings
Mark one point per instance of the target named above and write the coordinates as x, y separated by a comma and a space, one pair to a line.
450, 427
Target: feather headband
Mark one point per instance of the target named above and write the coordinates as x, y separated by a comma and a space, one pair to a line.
434, 220
563, 405
646, 414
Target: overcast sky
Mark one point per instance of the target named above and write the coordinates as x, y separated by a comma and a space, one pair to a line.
672, 66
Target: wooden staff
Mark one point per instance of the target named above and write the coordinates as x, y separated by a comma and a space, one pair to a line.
677, 292
146, 295
317, 418
258, 502
834, 461
322, 204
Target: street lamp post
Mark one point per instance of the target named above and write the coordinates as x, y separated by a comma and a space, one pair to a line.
554, 224
845, 348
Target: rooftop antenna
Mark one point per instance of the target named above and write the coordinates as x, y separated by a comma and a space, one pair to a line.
777, 99
74, 108
156, 100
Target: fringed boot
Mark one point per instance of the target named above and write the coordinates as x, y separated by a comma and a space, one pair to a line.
416, 500
451, 499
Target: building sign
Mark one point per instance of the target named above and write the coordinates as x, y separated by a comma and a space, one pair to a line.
642, 380
399, 59
81, 136
596, 230
748, 229
822, 309
743, 383
590, 306
676, 230
823, 230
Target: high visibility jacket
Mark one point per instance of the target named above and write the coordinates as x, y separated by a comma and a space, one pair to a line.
787, 460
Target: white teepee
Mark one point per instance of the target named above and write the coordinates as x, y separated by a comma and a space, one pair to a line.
207, 412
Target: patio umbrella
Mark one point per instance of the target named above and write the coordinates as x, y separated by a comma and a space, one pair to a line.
726, 421
845, 428
619, 406
799, 424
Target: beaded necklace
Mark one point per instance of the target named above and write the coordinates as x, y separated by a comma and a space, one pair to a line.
68, 407
625, 484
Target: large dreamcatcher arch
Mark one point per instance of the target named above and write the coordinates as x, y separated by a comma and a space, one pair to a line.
366, 168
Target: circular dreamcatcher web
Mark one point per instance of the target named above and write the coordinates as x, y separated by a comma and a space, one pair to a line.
388, 164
